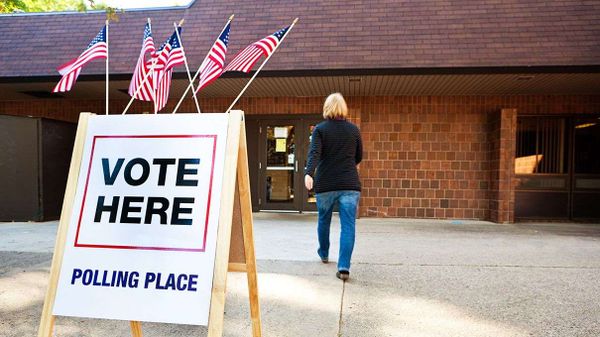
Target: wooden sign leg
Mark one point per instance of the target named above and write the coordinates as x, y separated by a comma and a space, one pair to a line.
243, 178
47, 321
217, 305
136, 328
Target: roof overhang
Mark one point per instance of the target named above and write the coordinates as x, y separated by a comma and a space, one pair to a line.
574, 80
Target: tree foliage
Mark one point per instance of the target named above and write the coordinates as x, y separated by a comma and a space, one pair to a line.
54, 6
112, 14
15, 6
9, 6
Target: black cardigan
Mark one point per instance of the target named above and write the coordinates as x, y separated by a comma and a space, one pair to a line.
335, 150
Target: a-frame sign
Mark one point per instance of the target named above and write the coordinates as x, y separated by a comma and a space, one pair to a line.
156, 211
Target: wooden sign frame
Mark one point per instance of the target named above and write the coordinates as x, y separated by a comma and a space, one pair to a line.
235, 236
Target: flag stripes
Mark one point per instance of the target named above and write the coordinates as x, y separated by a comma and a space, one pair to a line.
67, 81
212, 66
247, 58
142, 69
162, 89
169, 55
71, 70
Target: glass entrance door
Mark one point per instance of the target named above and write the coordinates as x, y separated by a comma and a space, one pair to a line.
284, 146
281, 189
586, 169
557, 168
541, 168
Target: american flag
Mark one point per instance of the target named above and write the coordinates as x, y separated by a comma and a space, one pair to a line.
245, 59
169, 55
212, 66
142, 69
98, 48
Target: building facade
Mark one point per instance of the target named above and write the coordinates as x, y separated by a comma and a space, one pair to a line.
468, 110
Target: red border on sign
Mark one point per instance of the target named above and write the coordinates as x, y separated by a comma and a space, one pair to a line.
84, 245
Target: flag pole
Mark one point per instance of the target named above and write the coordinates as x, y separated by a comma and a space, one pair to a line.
198, 71
154, 61
187, 68
261, 66
107, 67
151, 72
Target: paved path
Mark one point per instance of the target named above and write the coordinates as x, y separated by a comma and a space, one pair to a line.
412, 278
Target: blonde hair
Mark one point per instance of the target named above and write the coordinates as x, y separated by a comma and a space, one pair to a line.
335, 107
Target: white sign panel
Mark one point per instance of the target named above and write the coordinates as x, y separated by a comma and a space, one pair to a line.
281, 132
142, 235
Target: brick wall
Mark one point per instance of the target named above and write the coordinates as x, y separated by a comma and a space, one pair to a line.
502, 142
68, 110
424, 156
430, 157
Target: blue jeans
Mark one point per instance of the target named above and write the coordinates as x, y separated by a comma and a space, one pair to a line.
347, 202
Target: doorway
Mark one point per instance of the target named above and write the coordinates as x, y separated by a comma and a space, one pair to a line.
558, 168
282, 145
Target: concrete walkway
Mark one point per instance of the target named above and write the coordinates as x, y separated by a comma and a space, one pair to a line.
410, 278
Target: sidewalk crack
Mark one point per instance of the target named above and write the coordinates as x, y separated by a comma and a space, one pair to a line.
339, 334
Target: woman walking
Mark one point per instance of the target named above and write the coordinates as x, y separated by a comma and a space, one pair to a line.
335, 150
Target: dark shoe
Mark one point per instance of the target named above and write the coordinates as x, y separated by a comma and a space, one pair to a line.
343, 275
323, 259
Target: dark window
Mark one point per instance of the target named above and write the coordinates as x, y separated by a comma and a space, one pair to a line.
541, 146
587, 146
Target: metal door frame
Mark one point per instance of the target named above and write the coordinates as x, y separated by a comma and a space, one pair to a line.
306, 122
301, 123
265, 205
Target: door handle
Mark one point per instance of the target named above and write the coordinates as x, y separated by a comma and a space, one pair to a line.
296, 165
